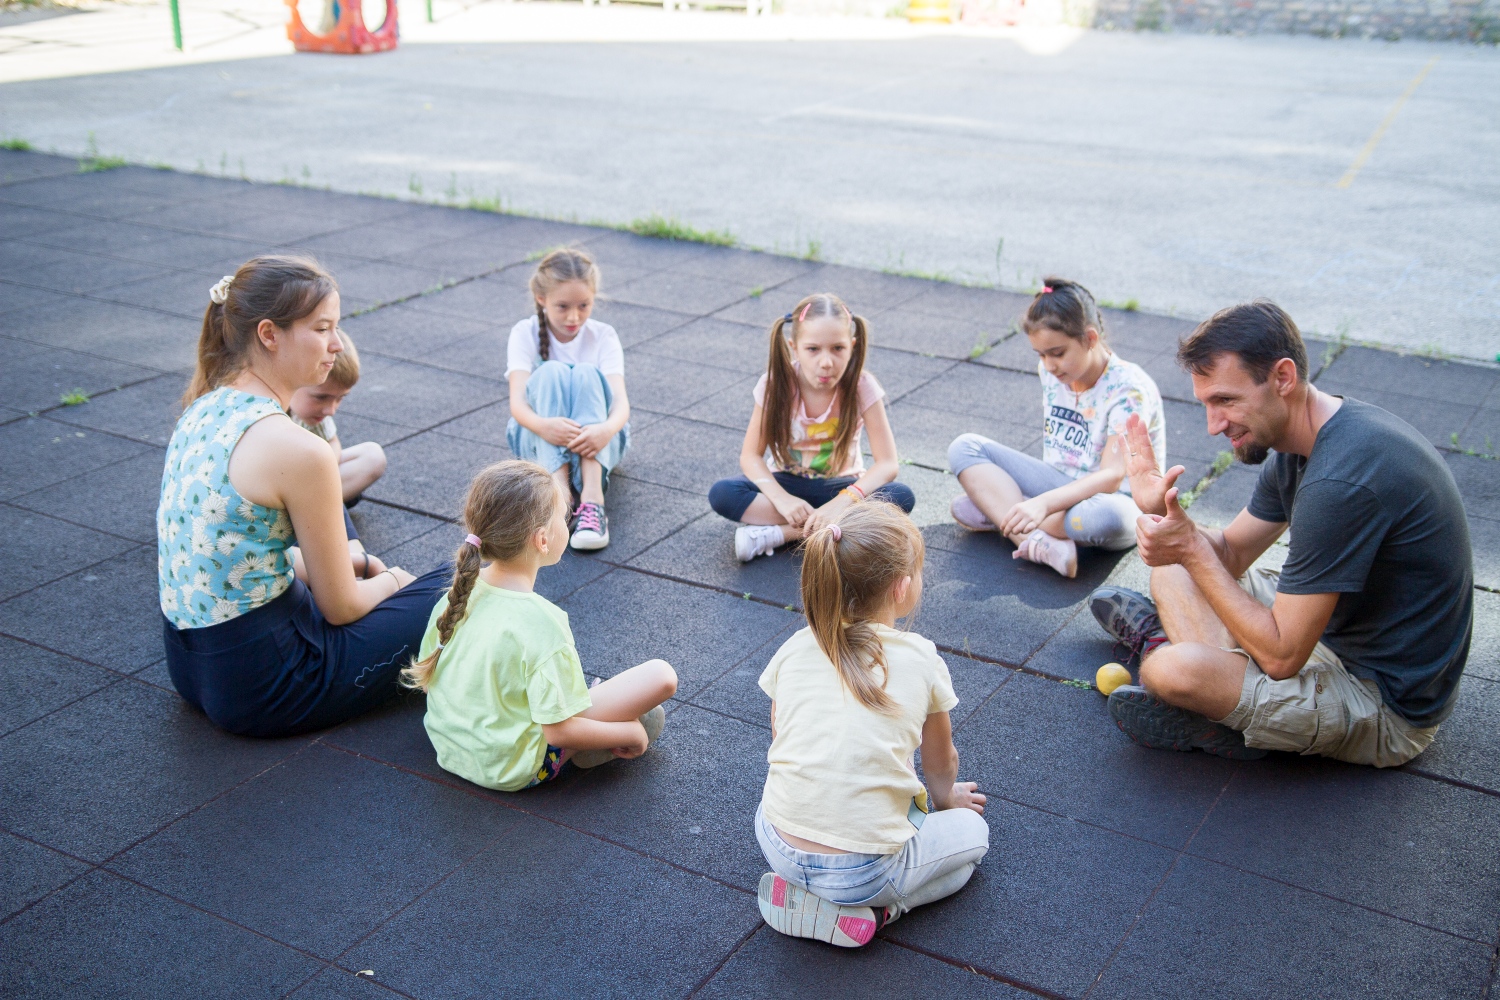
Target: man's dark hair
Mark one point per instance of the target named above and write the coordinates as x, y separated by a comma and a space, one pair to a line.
1259, 333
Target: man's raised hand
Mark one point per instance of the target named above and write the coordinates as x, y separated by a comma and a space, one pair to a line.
1148, 486
1170, 538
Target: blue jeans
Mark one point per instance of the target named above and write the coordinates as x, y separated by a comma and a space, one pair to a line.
936, 862
732, 497
282, 669
580, 393
1104, 520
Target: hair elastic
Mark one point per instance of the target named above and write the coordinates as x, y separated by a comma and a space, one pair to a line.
1046, 289
836, 532
474, 541
788, 318
219, 294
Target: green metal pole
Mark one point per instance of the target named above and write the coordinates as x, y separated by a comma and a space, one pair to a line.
429, 10
177, 26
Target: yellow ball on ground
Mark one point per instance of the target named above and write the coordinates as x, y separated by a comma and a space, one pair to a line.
1111, 676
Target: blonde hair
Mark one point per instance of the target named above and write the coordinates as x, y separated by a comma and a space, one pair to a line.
278, 287
559, 267
781, 379
507, 504
345, 370
847, 576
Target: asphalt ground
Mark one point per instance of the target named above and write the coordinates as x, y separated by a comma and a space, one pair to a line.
147, 854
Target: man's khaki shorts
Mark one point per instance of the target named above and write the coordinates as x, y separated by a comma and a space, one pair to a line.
1323, 709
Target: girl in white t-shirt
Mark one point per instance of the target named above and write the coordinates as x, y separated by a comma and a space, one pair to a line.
1077, 493
568, 409
801, 458
844, 822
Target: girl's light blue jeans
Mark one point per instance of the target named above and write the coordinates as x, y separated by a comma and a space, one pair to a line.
1104, 520
582, 394
936, 862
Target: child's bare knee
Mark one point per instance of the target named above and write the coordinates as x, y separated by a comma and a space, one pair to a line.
664, 676
377, 458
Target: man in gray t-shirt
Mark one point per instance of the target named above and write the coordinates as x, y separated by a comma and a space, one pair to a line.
1355, 648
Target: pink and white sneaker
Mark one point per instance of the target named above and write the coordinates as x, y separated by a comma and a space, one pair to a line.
798, 913
590, 528
967, 513
1059, 553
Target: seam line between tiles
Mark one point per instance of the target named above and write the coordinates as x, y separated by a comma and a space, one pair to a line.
744, 940
978, 970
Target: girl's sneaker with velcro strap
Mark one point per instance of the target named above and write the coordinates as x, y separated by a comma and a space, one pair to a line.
590, 527
798, 913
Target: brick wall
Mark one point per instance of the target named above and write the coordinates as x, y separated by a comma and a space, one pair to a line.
1473, 20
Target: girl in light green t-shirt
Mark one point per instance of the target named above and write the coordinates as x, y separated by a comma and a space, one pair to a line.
507, 705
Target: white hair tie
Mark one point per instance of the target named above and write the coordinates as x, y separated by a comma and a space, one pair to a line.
219, 294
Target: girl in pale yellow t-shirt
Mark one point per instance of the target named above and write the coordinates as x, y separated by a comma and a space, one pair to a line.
507, 706
844, 821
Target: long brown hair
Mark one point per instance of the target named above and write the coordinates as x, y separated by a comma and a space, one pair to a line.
561, 265
781, 379
507, 504
846, 581
282, 288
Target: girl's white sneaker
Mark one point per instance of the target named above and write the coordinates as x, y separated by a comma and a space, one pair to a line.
798, 913
751, 540
1059, 553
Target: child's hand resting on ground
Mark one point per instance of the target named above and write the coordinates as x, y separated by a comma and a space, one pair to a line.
590, 440
963, 795
1025, 517
559, 431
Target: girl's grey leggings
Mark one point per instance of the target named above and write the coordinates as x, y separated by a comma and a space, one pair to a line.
1104, 520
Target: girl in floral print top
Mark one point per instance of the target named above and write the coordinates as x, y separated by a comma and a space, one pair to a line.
259, 650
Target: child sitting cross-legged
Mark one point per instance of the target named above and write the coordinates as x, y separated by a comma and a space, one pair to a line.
844, 821
810, 407
507, 705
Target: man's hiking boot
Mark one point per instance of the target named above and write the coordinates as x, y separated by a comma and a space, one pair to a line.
1151, 722
1130, 617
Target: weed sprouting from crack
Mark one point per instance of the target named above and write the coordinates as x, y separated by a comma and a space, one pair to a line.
1222, 461
78, 397
93, 163
660, 227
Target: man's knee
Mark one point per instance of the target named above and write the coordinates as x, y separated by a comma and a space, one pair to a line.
1168, 672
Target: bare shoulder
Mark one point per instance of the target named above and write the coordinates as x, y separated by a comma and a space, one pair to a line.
277, 438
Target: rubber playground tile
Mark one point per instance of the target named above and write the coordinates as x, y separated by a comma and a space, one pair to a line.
641, 515
43, 380
751, 268
1252, 936
378, 280
1437, 420
431, 473
256, 199
987, 305
1420, 849
132, 486
419, 396
1483, 661
1187, 433
1045, 744
1076, 651
41, 549
393, 734
1482, 434
637, 324
412, 334
1484, 538
1412, 375
39, 262
383, 528
456, 259
998, 607
1048, 904
1143, 333
41, 681
689, 800
1171, 381
504, 905
1466, 744
273, 854
1225, 497
146, 411
703, 552
213, 216
679, 292
988, 393
162, 758
103, 936
702, 633
737, 692
37, 452
334, 983
487, 425
31, 871
482, 354
494, 300
391, 241
730, 407
939, 336
131, 241
358, 428
683, 454
647, 253
668, 385
1013, 353
706, 339
87, 202
15, 297
22, 221
14, 350
17, 166
866, 293
121, 629
131, 334
182, 293
923, 434
771, 965
1478, 482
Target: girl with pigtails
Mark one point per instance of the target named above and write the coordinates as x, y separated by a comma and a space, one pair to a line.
261, 650
846, 825
801, 459
507, 706
568, 409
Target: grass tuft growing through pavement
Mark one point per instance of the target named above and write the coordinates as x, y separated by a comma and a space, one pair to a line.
660, 227
1222, 461
75, 398
93, 162
17, 145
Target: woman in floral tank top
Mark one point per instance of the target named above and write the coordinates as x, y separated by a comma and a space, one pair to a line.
258, 650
